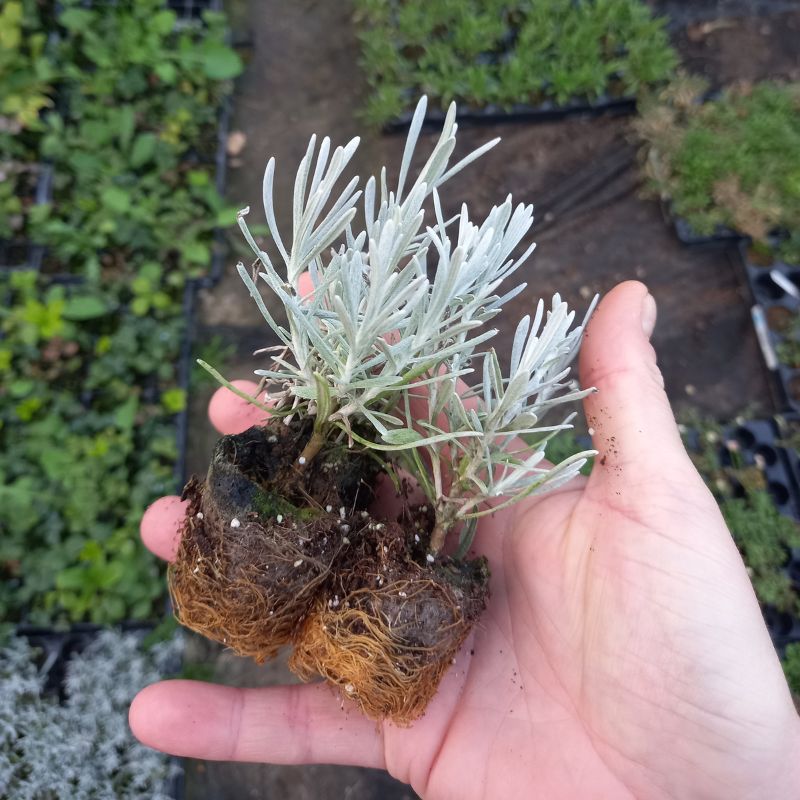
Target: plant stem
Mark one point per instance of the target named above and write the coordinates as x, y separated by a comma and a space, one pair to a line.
438, 536
444, 520
235, 389
313, 446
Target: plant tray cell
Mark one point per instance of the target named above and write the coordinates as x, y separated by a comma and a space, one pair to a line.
219, 244
788, 423
186, 10
758, 443
58, 645
19, 253
688, 236
781, 311
548, 111
193, 9
784, 629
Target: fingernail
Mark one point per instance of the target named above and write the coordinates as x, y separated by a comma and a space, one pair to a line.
649, 315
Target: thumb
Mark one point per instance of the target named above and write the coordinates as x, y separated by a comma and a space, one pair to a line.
629, 417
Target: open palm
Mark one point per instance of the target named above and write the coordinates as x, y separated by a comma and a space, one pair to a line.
622, 655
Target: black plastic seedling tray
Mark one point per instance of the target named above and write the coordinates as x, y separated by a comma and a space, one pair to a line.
758, 442
186, 10
193, 9
687, 235
219, 245
548, 111
184, 382
777, 303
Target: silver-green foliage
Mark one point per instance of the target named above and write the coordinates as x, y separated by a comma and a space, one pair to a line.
81, 749
377, 332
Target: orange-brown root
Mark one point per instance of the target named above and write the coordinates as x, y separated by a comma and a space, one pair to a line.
379, 648
243, 591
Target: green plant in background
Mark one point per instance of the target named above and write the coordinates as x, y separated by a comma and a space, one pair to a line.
485, 52
214, 349
26, 77
764, 537
87, 440
17, 193
788, 351
566, 444
89, 387
791, 667
26, 72
133, 150
173, 77
732, 162
762, 534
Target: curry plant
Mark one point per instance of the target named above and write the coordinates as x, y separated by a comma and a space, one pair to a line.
376, 351
80, 746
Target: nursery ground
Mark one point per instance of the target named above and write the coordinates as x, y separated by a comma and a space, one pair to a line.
593, 230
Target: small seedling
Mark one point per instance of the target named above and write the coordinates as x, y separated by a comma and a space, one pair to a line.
380, 373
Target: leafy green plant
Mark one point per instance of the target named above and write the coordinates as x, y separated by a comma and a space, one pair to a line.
89, 394
212, 350
732, 162
497, 52
26, 77
133, 149
86, 442
26, 72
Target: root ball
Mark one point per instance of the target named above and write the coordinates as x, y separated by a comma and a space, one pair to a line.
387, 641
273, 555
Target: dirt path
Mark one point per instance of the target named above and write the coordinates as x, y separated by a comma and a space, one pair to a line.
593, 230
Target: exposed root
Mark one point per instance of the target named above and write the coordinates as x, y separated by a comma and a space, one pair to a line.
388, 647
250, 590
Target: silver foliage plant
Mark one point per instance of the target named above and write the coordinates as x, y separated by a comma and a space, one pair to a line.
377, 334
82, 748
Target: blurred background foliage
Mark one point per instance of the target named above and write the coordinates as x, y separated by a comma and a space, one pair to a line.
117, 105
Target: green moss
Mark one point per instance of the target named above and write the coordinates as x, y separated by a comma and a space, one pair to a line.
271, 504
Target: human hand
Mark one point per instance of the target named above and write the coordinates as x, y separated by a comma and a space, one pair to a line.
622, 654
